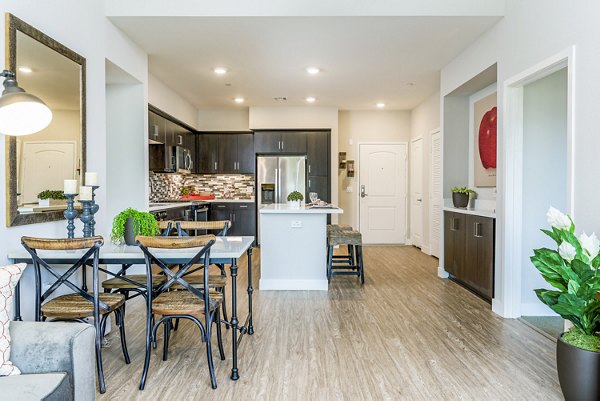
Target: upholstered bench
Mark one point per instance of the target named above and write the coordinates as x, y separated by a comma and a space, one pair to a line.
56, 360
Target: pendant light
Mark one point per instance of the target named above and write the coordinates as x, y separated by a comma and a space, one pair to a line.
21, 113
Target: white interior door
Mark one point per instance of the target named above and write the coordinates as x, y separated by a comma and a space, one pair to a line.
416, 192
45, 166
435, 194
382, 193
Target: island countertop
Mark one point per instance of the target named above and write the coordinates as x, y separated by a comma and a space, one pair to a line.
284, 208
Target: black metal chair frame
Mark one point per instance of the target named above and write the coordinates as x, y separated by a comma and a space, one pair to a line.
350, 264
177, 277
99, 321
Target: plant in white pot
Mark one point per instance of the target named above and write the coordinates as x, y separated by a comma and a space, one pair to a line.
572, 269
295, 198
51, 198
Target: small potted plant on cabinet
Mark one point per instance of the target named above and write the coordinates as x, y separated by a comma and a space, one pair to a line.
461, 196
295, 198
51, 198
131, 222
572, 269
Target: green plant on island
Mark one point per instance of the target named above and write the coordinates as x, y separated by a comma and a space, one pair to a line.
463, 190
572, 269
51, 194
295, 196
144, 223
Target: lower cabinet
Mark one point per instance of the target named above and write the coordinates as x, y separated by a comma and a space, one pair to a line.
469, 251
241, 214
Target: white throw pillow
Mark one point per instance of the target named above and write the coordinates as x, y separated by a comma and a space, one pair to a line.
9, 277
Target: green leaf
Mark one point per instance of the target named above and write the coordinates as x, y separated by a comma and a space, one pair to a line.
552, 235
573, 287
582, 270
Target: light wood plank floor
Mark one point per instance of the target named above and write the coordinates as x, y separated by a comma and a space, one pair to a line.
405, 335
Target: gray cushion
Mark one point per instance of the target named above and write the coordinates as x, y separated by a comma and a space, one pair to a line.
44, 386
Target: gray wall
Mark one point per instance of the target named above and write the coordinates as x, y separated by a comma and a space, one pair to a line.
456, 143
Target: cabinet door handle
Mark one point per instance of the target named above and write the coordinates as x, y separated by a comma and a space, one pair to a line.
309, 183
180, 140
243, 206
215, 165
309, 169
477, 229
454, 224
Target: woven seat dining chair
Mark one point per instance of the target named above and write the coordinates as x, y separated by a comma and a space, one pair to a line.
218, 228
79, 305
185, 302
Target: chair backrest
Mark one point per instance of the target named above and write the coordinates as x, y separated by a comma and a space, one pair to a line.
183, 227
203, 242
92, 244
165, 227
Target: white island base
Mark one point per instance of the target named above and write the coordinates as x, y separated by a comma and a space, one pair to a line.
293, 247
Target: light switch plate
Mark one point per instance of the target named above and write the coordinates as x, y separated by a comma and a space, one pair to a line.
296, 224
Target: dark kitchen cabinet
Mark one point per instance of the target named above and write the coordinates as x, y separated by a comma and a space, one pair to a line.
317, 153
245, 146
208, 154
241, 214
469, 251
320, 185
156, 128
236, 153
290, 142
164, 132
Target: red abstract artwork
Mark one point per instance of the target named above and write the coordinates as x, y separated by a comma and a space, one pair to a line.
487, 139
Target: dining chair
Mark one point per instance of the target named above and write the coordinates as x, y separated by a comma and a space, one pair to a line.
79, 305
184, 302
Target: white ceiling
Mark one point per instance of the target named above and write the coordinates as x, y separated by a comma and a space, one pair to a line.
364, 60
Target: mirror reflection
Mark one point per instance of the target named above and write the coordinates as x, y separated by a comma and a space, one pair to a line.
42, 161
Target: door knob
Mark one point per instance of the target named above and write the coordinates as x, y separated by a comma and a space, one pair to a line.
362, 191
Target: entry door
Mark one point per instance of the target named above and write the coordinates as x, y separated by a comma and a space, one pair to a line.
382, 194
45, 166
435, 197
416, 192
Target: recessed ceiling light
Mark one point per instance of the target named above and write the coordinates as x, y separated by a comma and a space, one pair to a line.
239, 100
380, 105
220, 71
311, 99
25, 69
313, 70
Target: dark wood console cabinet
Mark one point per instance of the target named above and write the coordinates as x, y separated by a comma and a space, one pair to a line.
469, 251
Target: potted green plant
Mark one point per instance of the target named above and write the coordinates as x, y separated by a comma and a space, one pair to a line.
572, 269
461, 196
51, 198
295, 198
129, 223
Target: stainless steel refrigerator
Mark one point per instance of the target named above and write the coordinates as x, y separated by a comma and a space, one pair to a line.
276, 177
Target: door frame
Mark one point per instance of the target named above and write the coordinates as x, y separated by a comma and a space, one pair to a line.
358, 162
409, 241
507, 302
430, 208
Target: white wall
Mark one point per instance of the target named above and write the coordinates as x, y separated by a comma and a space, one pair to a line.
163, 97
423, 120
303, 118
219, 119
531, 32
361, 127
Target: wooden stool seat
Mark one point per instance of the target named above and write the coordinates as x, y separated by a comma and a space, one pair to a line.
73, 306
197, 280
140, 279
343, 237
182, 302
331, 228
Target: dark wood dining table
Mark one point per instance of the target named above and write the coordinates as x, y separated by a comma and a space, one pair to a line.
226, 250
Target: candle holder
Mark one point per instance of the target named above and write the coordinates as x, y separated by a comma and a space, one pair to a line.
70, 214
86, 217
94, 208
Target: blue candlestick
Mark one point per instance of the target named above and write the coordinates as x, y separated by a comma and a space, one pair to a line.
94, 209
70, 214
86, 217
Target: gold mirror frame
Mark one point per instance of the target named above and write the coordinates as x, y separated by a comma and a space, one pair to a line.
14, 24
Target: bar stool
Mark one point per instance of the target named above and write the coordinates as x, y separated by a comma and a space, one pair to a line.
350, 264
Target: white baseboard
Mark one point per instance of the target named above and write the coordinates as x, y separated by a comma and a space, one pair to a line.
425, 249
536, 309
442, 273
292, 285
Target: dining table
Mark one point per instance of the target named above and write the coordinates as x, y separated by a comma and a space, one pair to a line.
225, 251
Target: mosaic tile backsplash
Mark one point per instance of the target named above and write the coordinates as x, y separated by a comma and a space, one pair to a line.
234, 186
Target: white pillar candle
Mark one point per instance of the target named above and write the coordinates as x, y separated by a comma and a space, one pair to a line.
70, 187
85, 193
91, 179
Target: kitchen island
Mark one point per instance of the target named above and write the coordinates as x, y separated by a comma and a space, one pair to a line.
293, 247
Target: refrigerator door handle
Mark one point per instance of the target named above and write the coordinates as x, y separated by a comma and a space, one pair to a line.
276, 185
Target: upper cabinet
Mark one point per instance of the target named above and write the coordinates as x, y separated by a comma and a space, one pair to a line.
226, 153
291, 142
317, 153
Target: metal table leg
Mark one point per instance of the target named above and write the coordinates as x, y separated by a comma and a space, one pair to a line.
250, 291
18, 302
234, 321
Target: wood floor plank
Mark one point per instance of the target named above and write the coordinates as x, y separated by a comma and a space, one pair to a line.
404, 335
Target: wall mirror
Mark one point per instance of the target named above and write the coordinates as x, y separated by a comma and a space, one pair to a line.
42, 161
